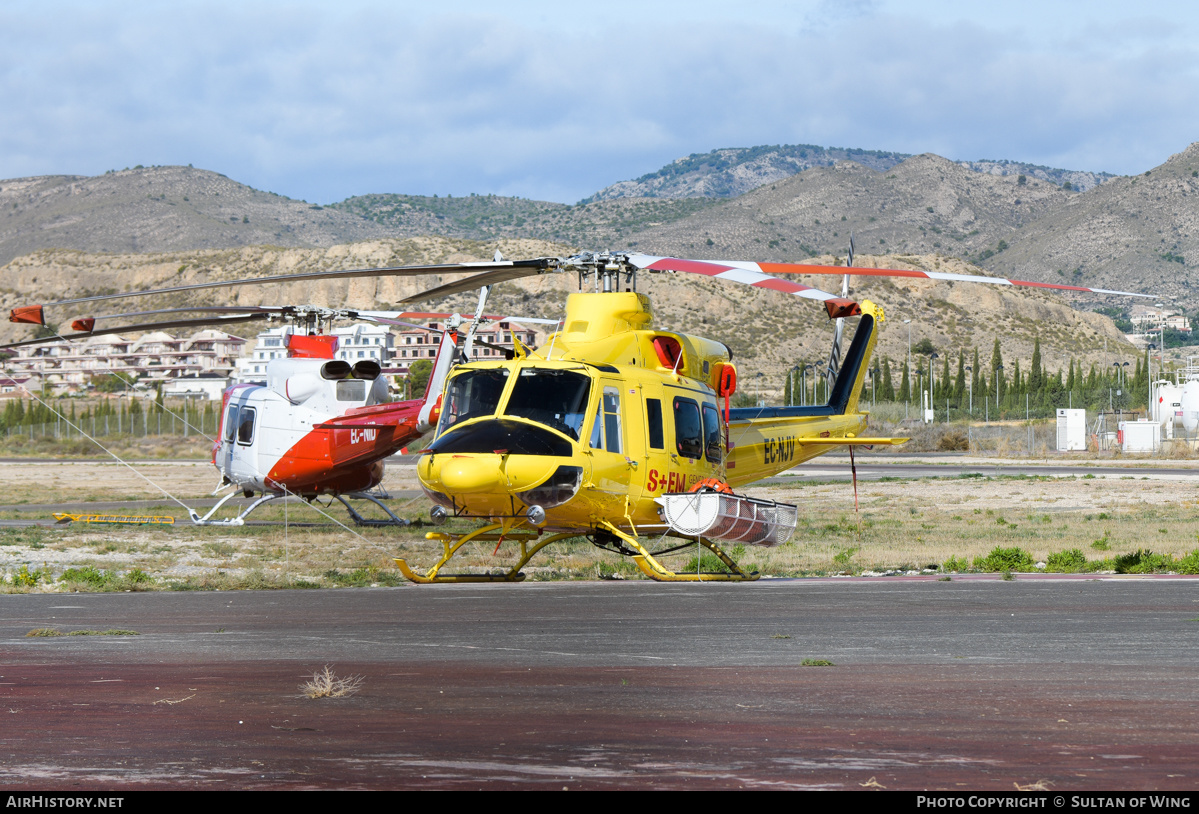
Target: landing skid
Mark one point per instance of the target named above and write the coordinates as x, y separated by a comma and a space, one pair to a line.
657, 571
531, 543
451, 544
359, 520
240, 520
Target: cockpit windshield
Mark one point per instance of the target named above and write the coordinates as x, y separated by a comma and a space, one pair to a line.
555, 398
471, 394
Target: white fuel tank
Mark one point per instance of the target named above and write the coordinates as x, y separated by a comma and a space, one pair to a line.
1168, 402
1190, 406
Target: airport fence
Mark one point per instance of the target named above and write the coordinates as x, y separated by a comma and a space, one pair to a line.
181, 423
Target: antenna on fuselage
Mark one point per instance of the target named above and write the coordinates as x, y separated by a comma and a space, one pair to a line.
474, 325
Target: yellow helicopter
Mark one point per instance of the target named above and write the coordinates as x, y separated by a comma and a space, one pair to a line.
614, 429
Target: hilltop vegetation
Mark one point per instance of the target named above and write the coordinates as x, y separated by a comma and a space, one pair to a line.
730, 172
491, 217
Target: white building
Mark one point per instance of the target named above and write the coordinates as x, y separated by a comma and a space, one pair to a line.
365, 341
1148, 318
156, 356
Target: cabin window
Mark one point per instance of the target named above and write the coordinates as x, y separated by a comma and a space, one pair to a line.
688, 430
555, 398
245, 426
231, 423
653, 414
471, 394
712, 433
351, 390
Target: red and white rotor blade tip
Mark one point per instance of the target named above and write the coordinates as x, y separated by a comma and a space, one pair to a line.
751, 274
802, 268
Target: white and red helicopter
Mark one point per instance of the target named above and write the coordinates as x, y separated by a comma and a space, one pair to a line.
318, 425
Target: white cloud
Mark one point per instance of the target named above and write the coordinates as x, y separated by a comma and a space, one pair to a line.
321, 104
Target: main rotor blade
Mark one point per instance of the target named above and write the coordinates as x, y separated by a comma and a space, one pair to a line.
381, 320
515, 271
800, 268
517, 268
200, 309
748, 274
149, 326
447, 315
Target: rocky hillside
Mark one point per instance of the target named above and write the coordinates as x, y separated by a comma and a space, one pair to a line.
924, 205
1140, 233
728, 173
767, 332
159, 209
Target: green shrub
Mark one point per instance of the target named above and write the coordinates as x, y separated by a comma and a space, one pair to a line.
27, 578
842, 559
1188, 564
1066, 562
1005, 559
955, 564
1143, 562
89, 575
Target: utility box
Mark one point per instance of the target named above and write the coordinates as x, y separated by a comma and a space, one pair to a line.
1140, 436
1071, 430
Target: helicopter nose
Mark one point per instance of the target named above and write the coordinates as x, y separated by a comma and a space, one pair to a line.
466, 474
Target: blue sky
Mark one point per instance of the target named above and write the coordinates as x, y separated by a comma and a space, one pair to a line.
321, 101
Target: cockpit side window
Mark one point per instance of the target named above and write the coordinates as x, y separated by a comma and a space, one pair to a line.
612, 434
231, 423
606, 431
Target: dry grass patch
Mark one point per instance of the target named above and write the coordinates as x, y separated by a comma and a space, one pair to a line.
325, 684
51, 632
904, 524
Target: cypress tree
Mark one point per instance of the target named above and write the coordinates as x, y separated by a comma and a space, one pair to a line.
959, 386
1036, 376
996, 376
